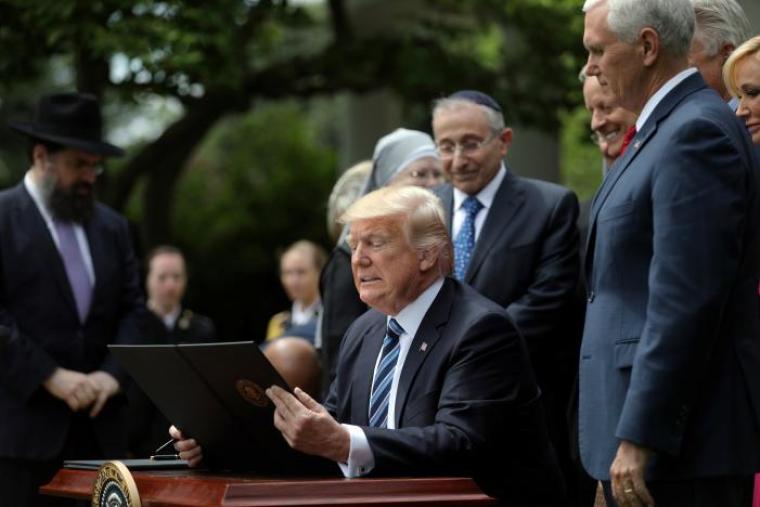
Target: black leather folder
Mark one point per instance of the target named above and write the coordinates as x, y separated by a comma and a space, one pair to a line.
214, 392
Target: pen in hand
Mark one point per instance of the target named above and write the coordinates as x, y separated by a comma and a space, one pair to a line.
157, 453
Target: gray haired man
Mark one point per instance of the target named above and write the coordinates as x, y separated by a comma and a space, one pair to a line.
721, 27
670, 360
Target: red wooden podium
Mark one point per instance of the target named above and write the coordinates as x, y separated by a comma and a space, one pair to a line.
190, 488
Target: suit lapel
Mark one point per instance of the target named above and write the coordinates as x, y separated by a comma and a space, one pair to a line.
371, 342
33, 224
446, 195
609, 182
686, 87
508, 199
428, 334
95, 240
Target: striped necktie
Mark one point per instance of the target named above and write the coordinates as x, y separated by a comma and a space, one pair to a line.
381, 386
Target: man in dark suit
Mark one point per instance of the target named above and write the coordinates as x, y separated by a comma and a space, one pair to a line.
68, 287
165, 322
516, 242
434, 379
670, 360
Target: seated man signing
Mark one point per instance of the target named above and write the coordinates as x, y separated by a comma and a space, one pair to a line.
433, 379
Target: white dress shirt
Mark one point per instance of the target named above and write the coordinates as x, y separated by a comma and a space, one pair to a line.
47, 215
300, 314
660, 94
485, 196
361, 461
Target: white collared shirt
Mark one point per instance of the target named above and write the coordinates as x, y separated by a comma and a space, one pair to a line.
171, 318
47, 215
300, 315
361, 461
485, 196
660, 94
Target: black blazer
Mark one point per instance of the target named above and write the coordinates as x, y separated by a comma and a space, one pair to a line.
37, 303
467, 402
526, 260
341, 306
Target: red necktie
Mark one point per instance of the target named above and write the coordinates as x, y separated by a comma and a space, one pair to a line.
627, 138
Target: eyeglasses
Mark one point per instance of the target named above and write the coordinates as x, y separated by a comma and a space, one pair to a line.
81, 165
467, 148
426, 174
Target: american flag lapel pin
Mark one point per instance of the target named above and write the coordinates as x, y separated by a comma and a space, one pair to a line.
423, 347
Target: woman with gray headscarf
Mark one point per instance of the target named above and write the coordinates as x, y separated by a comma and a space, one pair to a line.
403, 157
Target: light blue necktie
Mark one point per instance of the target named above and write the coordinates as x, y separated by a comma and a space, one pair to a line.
76, 271
381, 386
464, 243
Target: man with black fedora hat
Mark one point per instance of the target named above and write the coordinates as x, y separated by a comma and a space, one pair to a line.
515, 241
68, 287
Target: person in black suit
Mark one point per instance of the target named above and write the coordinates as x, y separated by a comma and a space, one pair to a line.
516, 242
165, 322
433, 380
68, 287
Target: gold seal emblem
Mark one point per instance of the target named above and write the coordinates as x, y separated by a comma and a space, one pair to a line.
252, 392
115, 487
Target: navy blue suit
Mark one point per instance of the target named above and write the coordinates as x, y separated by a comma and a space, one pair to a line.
467, 403
37, 303
670, 357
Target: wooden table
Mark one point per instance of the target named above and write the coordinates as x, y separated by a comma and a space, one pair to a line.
191, 488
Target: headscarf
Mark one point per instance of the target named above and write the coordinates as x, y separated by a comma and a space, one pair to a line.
394, 152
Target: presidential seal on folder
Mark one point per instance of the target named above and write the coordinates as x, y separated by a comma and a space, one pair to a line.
115, 487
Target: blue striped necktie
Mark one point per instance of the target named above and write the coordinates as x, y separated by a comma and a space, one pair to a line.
464, 243
381, 386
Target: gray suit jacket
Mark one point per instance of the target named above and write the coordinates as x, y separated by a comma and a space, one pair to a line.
670, 357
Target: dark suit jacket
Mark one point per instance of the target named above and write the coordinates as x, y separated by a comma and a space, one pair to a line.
467, 403
147, 427
37, 303
526, 260
340, 307
670, 357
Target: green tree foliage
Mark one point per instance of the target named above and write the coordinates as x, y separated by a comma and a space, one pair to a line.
222, 59
245, 185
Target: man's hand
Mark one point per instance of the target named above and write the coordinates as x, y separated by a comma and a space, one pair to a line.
188, 448
73, 387
307, 426
105, 386
627, 474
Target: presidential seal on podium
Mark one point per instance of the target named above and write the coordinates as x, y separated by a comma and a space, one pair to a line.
115, 487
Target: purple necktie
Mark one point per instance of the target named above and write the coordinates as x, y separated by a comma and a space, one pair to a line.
75, 268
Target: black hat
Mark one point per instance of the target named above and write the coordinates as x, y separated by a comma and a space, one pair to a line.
69, 119
477, 97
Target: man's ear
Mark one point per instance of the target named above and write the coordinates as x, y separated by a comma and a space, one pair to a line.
39, 155
649, 44
427, 258
725, 51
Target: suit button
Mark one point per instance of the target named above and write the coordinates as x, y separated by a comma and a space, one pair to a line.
590, 298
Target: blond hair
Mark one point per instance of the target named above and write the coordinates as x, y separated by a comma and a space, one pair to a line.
746, 50
422, 215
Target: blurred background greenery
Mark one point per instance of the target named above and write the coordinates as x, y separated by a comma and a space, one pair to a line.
238, 115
